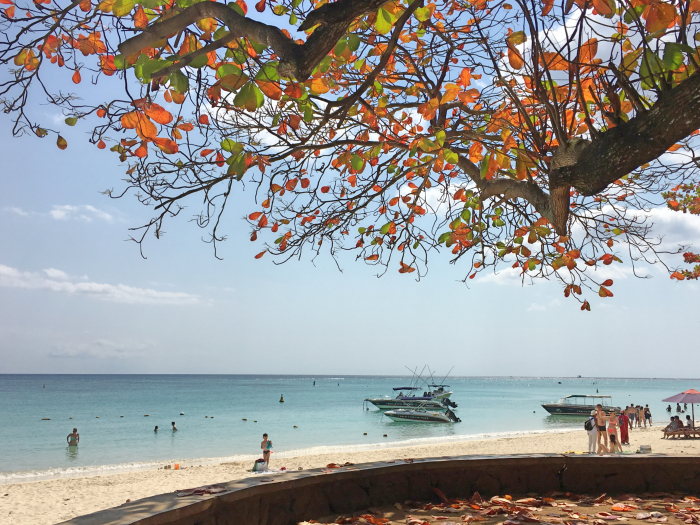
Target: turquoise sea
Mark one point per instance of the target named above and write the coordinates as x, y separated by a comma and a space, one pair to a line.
330, 416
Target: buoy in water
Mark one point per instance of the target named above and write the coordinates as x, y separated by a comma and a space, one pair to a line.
295, 426
119, 416
364, 434
384, 435
211, 417
182, 413
244, 419
206, 416
97, 417
70, 418
255, 421
45, 419
145, 415
282, 398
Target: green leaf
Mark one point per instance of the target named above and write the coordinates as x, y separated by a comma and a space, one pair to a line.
427, 145
231, 146
517, 38
358, 64
120, 62
385, 229
238, 167
673, 56
518, 240
422, 14
543, 231
199, 62
384, 21
466, 215
484, 166
617, 231
249, 97
361, 230
179, 82
71, 121
531, 265
450, 156
233, 5
357, 162
268, 72
280, 10
292, 19
440, 137
354, 42
634, 14
122, 7
444, 237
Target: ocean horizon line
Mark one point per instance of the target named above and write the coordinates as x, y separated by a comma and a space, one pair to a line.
337, 376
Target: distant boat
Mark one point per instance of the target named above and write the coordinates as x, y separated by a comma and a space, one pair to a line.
579, 377
579, 405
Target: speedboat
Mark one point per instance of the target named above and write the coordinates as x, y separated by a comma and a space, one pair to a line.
432, 399
422, 415
579, 405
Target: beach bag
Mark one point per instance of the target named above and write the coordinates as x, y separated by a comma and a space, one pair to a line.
259, 465
588, 425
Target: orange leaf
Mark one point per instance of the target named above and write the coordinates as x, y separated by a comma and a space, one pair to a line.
255, 216
259, 255
293, 90
271, 89
608, 282
262, 222
167, 146
204, 120
159, 114
140, 18
677, 275
588, 51
305, 183
325, 189
659, 16
514, 57
372, 257
352, 179
260, 6
101, 144
141, 151
317, 86
76, 77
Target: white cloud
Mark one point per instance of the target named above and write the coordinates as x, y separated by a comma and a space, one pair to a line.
99, 349
53, 273
508, 276
58, 281
83, 212
676, 227
17, 211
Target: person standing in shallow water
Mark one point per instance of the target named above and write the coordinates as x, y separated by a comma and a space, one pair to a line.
73, 438
266, 447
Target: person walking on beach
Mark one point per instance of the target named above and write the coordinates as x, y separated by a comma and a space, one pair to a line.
640, 416
73, 438
624, 433
600, 425
631, 412
647, 415
266, 447
592, 431
612, 430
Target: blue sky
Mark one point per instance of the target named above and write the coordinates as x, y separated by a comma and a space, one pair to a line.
76, 298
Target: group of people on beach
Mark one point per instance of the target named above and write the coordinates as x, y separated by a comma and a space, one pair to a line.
607, 432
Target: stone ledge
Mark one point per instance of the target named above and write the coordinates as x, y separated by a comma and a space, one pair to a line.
303, 495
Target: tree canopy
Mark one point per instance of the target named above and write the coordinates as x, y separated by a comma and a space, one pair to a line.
533, 134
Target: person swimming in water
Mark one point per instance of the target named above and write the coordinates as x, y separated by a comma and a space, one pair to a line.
73, 438
174, 427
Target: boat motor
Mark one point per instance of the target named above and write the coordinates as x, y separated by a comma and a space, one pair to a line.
446, 401
452, 416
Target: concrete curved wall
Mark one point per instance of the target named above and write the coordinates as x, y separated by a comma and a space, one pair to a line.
304, 495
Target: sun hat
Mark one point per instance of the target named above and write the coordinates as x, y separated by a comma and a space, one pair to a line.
593, 412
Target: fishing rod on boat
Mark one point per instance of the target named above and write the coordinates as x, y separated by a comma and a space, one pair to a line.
448, 373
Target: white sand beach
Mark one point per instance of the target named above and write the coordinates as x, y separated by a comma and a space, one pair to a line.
54, 501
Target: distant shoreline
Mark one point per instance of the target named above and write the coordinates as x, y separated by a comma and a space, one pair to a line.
28, 476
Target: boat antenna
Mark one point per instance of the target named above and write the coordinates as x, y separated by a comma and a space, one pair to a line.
448, 373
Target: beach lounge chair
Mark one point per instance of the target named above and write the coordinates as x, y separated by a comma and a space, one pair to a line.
682, 432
